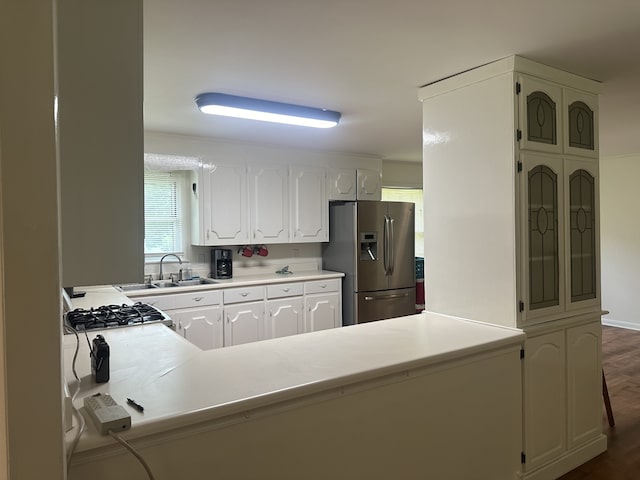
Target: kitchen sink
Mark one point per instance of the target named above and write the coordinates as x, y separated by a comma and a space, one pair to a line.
135, 286
165, 284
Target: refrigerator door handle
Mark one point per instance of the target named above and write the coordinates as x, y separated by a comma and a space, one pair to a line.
386, 297
387, 227
392, 246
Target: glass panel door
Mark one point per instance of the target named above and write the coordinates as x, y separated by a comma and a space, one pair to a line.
582, 232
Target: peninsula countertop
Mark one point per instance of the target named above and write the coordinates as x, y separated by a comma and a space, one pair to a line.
180, 385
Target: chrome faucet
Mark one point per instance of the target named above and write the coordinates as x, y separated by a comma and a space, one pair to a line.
168, 255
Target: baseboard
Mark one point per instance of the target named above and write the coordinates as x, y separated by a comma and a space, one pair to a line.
570, 460
610, 322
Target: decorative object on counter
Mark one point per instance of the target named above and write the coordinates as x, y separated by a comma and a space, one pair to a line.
266, 111
284, 271
261, 250
246, 251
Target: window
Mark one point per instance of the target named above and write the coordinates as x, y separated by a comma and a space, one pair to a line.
162, 213
410, 195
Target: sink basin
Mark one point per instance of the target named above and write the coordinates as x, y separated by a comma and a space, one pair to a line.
196, 281
135, 286
164, 284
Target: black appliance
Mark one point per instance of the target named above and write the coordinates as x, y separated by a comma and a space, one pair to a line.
221, 263
110, 316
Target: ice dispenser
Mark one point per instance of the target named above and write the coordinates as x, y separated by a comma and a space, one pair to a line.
368, 246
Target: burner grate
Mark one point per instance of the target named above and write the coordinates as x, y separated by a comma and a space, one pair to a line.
111, 316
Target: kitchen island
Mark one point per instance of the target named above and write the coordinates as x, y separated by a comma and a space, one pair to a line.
423, 396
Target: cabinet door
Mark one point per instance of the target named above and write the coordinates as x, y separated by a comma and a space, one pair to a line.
226, 216
269, 204
582, 235
542, 236
369, 185
284, 317
201, 326
584, 381
544, 398
309, 205
580, 123
342, 184
243, 323
322, 312
540, 115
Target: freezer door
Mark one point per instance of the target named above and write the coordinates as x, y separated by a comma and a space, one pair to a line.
401, 237
370, 263
387, 304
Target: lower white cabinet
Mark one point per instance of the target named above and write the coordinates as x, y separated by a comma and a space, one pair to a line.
201, 326
562, 392
232, 316
323, 305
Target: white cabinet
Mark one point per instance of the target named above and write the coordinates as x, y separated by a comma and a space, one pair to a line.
236, 204
584, 382
197, 316
323, 305
369, 184
244, 315
309, 205
201, 326
284, 310
544, 398
219, 206
519, 142
269, 204
354, 184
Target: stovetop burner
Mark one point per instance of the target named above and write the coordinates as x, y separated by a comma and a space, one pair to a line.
110, 316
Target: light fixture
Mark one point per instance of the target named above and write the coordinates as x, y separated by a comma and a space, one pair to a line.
265, 110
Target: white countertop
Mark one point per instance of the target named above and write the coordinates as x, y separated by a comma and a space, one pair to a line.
180, 385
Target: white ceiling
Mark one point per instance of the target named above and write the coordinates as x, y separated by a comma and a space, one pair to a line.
367, 59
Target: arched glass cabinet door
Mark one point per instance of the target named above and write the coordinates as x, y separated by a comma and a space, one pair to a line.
581, 127
541, 118
582, 236
544, 254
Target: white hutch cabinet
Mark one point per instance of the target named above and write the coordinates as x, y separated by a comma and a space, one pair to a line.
511, 207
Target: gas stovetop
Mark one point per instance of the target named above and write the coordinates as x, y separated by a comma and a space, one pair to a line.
112, 316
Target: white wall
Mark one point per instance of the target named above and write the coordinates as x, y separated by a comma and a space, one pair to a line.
30, 295
401, 174
620, 239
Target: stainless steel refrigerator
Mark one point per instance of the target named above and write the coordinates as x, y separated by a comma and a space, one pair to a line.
373, 244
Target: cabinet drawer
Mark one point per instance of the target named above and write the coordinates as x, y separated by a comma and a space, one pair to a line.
322, 286
245, 294
284, 290
183, 300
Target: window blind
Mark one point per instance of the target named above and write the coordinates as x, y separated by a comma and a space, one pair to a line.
162, 219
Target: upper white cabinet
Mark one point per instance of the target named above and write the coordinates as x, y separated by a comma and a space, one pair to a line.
239, 204
309, 205
354, 184
269, 204
220, 214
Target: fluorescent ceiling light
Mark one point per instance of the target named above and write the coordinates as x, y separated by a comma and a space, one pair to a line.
255, 109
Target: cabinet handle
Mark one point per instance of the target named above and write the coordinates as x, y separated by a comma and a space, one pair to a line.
197, 299
179, 325
323, 285
244, 294
285, 290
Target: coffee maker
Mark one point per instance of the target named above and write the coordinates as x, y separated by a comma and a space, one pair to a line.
221, 263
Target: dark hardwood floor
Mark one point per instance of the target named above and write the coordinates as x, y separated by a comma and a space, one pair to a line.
621, 364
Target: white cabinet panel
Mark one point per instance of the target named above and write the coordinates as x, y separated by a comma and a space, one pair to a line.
584, 382
280, 290
284, 317
544, 398
369, 185
243, 294
269, 204
342, 184
201, 326
309, 205
322, 312
540, 105
243, 323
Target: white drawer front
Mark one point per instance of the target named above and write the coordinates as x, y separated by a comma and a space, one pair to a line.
281, 290
321, 286
245, 294
183, 300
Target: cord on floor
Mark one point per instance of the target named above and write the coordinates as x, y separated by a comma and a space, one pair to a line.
133, 451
